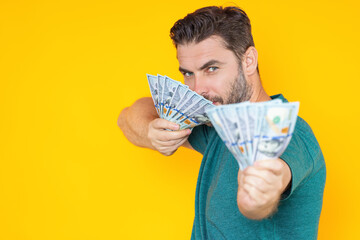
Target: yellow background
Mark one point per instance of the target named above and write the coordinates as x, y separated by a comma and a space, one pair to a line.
67, 68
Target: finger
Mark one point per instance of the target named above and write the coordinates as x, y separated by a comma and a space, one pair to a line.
244, 197
182, 142
274, 165
172, 142
258, 183
160, 123
239, 177
265, 174
177, 145
254, 193
173, 135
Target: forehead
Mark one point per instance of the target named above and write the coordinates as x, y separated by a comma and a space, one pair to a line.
196, 54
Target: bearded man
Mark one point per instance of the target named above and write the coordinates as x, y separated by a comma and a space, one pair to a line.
273, 199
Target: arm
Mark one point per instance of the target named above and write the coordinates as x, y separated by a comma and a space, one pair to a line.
260, 187
134, 121
142, 127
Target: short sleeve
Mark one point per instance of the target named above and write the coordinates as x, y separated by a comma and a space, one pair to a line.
198, 138
300, 155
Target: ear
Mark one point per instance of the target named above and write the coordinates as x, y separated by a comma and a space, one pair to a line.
250, 61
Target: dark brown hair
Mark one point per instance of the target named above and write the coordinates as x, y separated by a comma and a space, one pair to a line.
230, 23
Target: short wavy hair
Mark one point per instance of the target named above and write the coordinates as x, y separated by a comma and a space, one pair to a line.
230, 23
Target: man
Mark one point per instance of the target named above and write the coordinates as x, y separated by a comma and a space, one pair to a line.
273, 199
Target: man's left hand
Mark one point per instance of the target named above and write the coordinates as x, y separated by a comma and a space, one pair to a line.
260, 187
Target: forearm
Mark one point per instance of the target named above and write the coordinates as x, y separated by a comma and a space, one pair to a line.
134, 122
260, 213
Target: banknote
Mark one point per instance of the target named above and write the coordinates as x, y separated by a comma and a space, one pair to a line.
199, 114
228, 127
161, 85
190, 101
219, 125
244, 129
175, 102
277, 122
190, 116
255, 131
170, 88
186, 97
153, 84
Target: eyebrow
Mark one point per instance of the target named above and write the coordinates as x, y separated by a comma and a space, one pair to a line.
208, 64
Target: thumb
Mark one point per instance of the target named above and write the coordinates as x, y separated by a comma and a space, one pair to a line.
165, 124
240, 178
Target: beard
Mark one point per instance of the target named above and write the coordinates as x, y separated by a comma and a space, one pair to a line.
239, 91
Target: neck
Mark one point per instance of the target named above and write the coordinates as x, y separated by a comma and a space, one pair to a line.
259, 94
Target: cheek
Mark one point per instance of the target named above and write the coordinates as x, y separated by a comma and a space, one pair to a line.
220, 84
216, 87
189, 83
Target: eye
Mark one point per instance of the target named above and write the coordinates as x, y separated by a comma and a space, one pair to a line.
187, 74
212, 69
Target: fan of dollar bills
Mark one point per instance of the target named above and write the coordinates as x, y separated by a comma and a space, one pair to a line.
175, 102
255, 131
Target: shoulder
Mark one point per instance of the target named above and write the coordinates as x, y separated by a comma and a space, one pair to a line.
304, 137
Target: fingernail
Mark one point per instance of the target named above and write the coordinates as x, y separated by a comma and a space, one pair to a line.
175, 126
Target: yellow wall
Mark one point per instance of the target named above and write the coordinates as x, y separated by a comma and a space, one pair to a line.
67, 68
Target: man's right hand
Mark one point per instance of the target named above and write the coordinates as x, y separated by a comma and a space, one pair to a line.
142, 126
163, 140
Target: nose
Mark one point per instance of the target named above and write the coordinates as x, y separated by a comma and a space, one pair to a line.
200, 85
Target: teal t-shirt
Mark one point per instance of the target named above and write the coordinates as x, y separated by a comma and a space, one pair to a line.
216, 212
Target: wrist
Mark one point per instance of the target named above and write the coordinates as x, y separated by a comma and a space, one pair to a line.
259, 213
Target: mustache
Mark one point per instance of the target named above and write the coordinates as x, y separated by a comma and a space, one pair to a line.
213, 98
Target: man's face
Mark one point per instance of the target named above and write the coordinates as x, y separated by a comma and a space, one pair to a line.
213, 71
